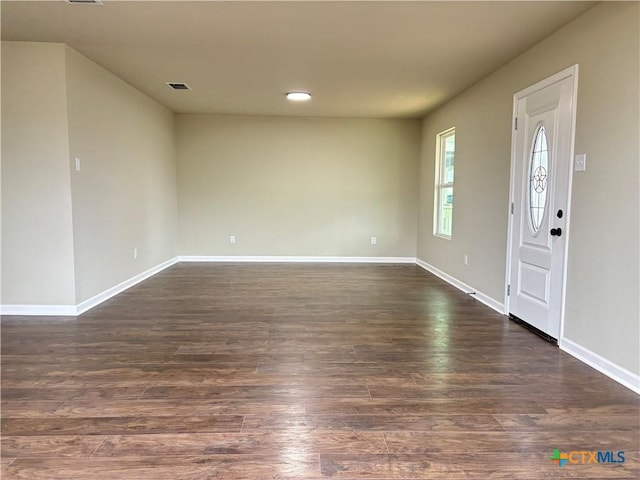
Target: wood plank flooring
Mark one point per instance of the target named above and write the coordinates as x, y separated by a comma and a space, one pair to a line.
301, 372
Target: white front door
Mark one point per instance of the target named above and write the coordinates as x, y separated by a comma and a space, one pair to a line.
542, 151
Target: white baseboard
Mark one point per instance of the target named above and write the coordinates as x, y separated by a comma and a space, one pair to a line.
82, 307
610, 369
294, 259
121, 287
74, 310
44, 310
481, 297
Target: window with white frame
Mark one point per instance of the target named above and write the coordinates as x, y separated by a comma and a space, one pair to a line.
443, 199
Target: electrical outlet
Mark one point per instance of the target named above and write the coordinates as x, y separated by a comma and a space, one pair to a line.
374, 240
232, 239
135, 253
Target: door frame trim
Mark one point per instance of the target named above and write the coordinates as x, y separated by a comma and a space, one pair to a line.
570, 72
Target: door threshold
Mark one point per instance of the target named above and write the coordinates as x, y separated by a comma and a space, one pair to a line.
537, 331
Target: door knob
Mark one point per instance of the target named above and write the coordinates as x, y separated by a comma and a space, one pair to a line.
556, 232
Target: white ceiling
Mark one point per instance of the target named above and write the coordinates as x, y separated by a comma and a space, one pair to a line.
357, 58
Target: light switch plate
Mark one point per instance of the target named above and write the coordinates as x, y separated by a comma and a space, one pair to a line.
581, 162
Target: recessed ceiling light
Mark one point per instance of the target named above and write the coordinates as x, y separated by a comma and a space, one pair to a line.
298, 96
85, 2
178, 86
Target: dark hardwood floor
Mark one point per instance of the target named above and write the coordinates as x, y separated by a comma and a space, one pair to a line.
220, 371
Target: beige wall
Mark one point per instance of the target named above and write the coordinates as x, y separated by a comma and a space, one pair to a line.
291, 186
124, 195
37, 241
67, 235
602, 311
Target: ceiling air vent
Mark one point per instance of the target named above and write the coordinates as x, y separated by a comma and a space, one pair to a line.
85, 2
178, 86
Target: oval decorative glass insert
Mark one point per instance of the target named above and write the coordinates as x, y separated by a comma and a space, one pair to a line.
538, 172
